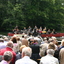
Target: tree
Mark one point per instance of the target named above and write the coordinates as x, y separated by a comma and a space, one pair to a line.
26, 13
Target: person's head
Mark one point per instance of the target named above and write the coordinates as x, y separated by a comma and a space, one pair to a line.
24, 27
18, 38
51, 46
50, 40
14, 39
50, 51
25, 42
7, 56
27, 51
62, 42
10, 44
22, 36
5, 39
22, 46
1, 40
54, 40
41, 53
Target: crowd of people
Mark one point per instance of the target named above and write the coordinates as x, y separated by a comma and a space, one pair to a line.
30, 49
33, 31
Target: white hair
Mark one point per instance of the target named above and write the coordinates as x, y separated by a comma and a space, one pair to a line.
50, 51
27, 51
54, 38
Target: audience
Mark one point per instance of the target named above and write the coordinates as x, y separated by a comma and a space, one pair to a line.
31, 48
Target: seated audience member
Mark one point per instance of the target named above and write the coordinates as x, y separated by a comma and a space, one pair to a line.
26, 54
19, 55
15, 30
53, 31
44, 31
40, 28
49, 58
25, 30
7, 57
48, 32
9, 47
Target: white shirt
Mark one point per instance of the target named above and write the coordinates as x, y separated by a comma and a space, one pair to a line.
25, 60
49, 59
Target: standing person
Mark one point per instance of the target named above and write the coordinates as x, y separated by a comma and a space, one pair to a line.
61, 56
26, 54
25, 41
49, 58
7, 57
19, 55
9, 47
2, 44
61, 45
15, 44
52, 46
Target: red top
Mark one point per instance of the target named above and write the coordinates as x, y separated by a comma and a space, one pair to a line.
8, 49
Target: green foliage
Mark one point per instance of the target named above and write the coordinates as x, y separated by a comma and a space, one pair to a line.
49, 13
